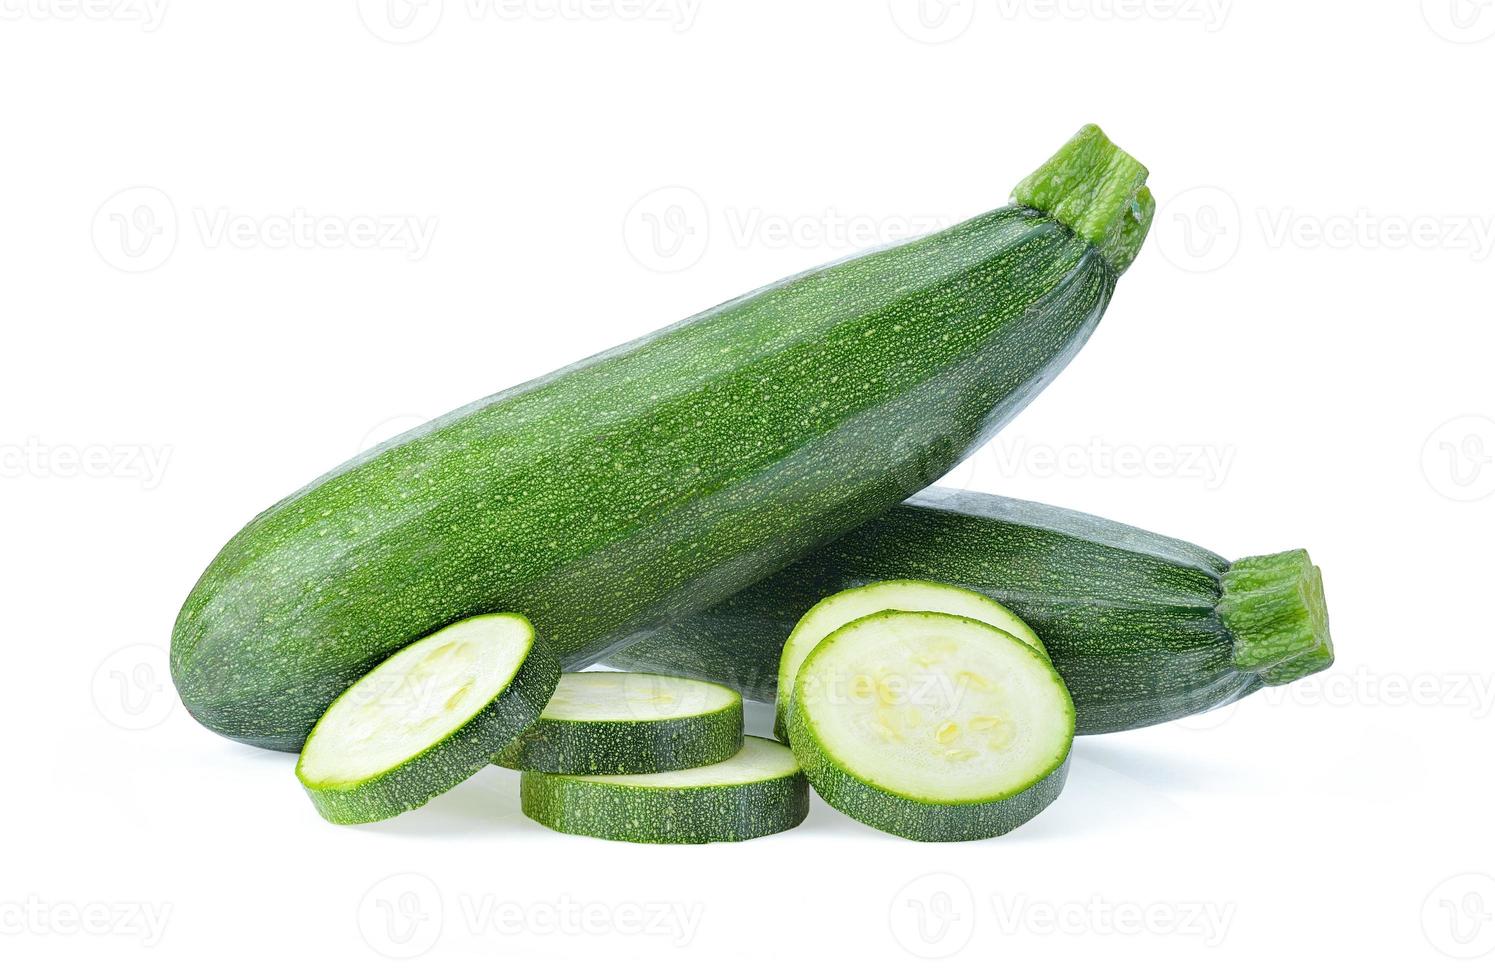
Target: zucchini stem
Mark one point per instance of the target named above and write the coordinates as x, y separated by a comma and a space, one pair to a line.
1273, 606
1098, 191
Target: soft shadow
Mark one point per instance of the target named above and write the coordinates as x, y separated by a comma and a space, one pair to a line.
487, 805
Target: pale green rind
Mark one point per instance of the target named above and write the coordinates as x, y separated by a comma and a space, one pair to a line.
648, 483
998, 615
569, 746
447, 763
1098, 190
893, 811
665, 815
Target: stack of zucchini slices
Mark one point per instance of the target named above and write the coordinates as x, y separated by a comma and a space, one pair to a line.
921, 709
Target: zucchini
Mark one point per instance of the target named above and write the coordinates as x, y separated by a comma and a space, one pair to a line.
758, 791
426, 718
833, 612
652, 481
931, 726
601, 722
1143, 628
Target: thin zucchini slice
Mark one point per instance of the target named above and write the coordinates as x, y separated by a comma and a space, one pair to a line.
931, 726
426, 719
759, 791
612, 722
909, 595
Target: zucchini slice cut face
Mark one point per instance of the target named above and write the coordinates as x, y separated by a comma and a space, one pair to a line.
931, 726
909, 595
612, 722
426, 718
759, 791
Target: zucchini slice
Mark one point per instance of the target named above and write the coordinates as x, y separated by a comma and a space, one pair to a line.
612, 722
426, 719
931, 726
909, 595
759, 791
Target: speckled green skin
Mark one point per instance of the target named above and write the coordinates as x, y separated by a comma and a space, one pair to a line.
1129, 617
657, 815
895, 811
648, 483
597, 748
442, 766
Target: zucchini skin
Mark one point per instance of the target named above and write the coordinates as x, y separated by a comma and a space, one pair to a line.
647, 483
656, 815
565, 746
1129, 618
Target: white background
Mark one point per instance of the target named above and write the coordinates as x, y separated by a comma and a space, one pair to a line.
1304, 351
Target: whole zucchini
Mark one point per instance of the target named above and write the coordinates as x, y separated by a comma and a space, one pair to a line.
654, 480
1143, 628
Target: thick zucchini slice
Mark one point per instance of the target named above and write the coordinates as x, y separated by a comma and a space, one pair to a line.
612, 722
654, 480
758, 791
909, 595
426, 719
931, 726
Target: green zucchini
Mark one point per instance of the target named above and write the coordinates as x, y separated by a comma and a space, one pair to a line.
1144, 629
931, 726
654, 480
612, 722
835, 611
426, 718
758, 791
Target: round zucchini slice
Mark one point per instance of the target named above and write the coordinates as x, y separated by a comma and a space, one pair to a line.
931, 726
759, 791
613, 722
426, 718
910, 595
